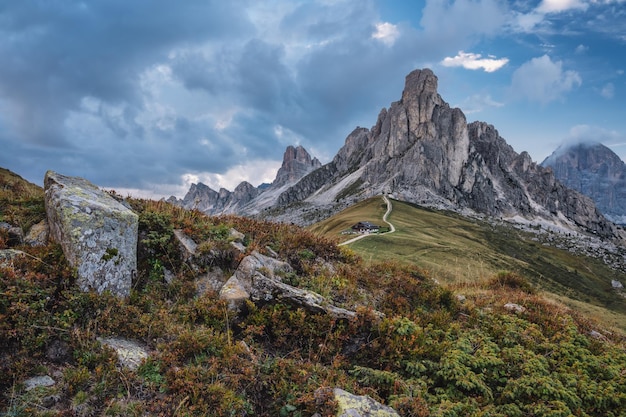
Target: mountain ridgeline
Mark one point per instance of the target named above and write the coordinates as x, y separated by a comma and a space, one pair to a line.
421, 151
596, 171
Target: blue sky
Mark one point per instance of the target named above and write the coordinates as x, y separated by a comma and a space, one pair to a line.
148, 96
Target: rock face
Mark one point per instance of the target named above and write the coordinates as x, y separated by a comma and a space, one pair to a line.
245, 198
296, 164
98, 234
423, 151
596, 171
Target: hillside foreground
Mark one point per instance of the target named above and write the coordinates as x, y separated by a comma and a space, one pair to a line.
415, 345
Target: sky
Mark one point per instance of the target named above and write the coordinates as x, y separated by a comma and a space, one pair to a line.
149, 96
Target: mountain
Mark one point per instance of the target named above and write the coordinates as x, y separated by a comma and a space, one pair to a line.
423, 151
247, 199
596, 171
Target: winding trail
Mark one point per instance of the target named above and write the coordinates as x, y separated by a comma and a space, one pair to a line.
391, 226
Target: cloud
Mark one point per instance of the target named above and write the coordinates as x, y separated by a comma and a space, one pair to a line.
558, 6
473, 61
530, 21
479, 102
543, 80
459, 19
386, 32
582, 134
581, 49
608, 91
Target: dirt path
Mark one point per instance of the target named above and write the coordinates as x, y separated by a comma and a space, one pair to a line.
391, 226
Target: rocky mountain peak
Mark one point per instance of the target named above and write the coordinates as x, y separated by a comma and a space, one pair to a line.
596, 171
297, 162
423, 151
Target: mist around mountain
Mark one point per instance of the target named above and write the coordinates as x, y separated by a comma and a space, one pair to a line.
594, 170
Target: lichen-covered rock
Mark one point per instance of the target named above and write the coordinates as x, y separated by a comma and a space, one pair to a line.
350, 405
97, 233
38, 234
129, 354
8, 255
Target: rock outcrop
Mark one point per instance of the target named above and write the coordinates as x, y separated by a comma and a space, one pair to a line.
97, 233
596, 171
258, 278
296, 164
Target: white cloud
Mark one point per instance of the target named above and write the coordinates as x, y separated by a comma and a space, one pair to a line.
608, 91
478, 102
581, 49
387, 33
590, 134
557, 6
528, 22
543, 80
473, 61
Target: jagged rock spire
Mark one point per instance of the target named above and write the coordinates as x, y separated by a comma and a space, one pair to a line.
296, 163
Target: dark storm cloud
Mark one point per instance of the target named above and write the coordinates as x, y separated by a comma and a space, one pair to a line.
54, 54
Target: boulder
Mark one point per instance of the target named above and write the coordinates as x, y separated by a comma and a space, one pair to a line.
38, 234
258, 278
129, 354
350, 405
515, 308
97, 233
38, 381
8, 255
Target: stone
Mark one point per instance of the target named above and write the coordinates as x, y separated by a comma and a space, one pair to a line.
258, 278
130, 354
187, 245
58, 351
8, 255
212, 280
97, 233
515, 308
15, 234
234, 293
616, 284
38, 381
236, 235
38, 234
350, 405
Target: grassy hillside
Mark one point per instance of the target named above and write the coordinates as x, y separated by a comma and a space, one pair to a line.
462, 251
427, 352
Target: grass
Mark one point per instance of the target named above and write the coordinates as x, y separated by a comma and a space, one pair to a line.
458, 250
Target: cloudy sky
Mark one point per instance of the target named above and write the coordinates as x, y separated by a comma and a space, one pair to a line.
152, 95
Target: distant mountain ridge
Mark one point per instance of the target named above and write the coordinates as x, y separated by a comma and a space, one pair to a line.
596, 171
423, 151
245, 198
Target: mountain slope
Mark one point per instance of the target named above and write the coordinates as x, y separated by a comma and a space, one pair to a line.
424, 152
459, 250
596, 171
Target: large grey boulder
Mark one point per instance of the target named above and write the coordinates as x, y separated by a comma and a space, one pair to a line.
97, 233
